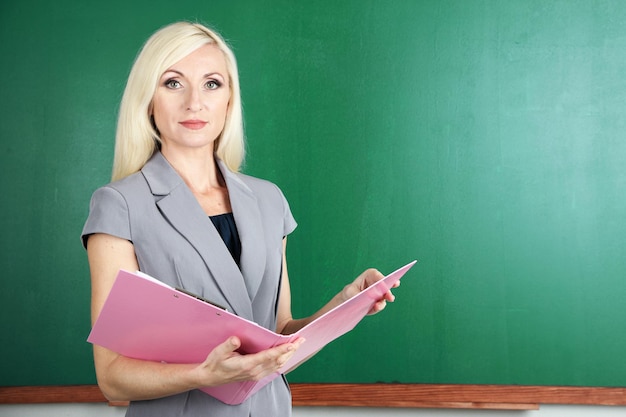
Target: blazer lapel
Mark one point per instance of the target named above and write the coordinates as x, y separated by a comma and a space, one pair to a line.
178, 204
250, 228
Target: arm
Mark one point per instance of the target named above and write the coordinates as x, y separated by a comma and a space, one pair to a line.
286, 324
125, 379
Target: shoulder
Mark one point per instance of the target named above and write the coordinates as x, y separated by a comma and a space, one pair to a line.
261, 188
256, 182
271, 201
126, 185
117, 193
109, 209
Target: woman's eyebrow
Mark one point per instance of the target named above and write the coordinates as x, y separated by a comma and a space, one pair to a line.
207, 75
174, 71
214, 73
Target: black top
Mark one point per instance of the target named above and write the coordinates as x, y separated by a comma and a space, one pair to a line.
226, 227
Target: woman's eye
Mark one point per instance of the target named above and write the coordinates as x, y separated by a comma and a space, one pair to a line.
213, 85
172, 84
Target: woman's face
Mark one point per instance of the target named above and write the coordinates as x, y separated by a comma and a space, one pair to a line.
191, 101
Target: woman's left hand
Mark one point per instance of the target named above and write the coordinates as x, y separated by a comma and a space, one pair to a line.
366, 279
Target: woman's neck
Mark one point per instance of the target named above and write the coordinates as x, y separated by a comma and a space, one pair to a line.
197, 168
200, 172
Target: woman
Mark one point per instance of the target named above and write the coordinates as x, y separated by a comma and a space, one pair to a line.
179, 210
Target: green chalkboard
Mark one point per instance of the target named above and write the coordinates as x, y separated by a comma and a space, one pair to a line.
484, 138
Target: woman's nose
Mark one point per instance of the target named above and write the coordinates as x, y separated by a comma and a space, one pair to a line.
194, 101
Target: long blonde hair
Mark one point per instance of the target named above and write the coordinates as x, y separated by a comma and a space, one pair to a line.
136, 138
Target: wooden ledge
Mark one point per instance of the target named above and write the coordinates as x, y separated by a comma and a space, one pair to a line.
511, 397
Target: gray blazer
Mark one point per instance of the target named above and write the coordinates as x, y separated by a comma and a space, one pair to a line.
177, 243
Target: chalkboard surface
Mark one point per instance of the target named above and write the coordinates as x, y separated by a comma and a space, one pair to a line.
484, 138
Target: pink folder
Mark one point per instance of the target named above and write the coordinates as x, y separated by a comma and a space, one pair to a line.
144, 318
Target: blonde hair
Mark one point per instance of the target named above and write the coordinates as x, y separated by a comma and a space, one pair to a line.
136, 138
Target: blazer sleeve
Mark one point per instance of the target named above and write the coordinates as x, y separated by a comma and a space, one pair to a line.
108, 213
288, 220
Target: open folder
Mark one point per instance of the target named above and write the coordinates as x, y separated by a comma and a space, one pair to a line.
144, 318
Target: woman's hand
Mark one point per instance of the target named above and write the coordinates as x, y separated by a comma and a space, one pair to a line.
224, 364
363, 281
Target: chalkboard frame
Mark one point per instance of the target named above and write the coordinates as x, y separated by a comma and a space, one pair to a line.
460, 396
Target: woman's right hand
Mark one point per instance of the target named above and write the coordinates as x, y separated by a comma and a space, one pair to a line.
224, 364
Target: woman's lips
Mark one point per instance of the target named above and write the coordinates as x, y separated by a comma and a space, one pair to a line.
193, 124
